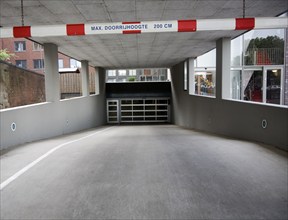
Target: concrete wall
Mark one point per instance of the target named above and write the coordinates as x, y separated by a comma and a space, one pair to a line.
138, 89
44, 120
286, 70
235, 119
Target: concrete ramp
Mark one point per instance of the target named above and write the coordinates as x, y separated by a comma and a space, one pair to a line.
144, 172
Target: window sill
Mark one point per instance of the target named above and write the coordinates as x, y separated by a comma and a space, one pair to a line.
257, 103
205, 96
24, 106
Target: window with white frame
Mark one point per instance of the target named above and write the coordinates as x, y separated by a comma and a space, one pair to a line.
38, 64
236, 79
20, 46
207, 59
205, 82
122, 72
136, 75
111, 73
205, 74
21, 63
60, 63
257, 66
37, 46
132, 72
74, 63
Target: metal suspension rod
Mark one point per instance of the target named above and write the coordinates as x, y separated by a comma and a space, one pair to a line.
244, 7
22, 13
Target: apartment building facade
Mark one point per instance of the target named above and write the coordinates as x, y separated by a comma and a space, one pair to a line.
30, 55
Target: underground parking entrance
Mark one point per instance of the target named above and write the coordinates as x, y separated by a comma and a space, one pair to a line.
145, 99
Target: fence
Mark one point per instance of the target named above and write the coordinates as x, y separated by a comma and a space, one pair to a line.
70, 84
264, 56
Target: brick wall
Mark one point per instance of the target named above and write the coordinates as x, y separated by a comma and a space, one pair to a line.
20, 86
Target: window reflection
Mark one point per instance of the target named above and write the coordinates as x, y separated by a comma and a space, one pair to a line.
205, 74
185, 77
236, 84
236, 51
204, 83
207, 60
273, 86
252, 85
264, 47
257, 61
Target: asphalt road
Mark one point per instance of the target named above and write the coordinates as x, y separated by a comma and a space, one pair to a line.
144, 172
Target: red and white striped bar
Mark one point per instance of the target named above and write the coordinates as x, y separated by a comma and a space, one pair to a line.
145, 27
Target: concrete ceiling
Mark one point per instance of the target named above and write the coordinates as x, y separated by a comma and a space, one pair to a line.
134, 51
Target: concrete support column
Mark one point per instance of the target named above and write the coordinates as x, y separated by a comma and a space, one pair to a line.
191, 76
97, 83
52, 79
223, 54
85, 78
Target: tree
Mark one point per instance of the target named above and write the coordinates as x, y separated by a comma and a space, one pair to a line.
269, 49
5, 54
268, 42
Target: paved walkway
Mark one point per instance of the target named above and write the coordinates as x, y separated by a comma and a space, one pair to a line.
144, 172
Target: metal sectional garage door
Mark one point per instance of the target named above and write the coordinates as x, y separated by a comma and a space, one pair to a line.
135, 110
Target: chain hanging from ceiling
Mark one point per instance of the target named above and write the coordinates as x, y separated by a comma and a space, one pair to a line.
22, 13
244, 8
